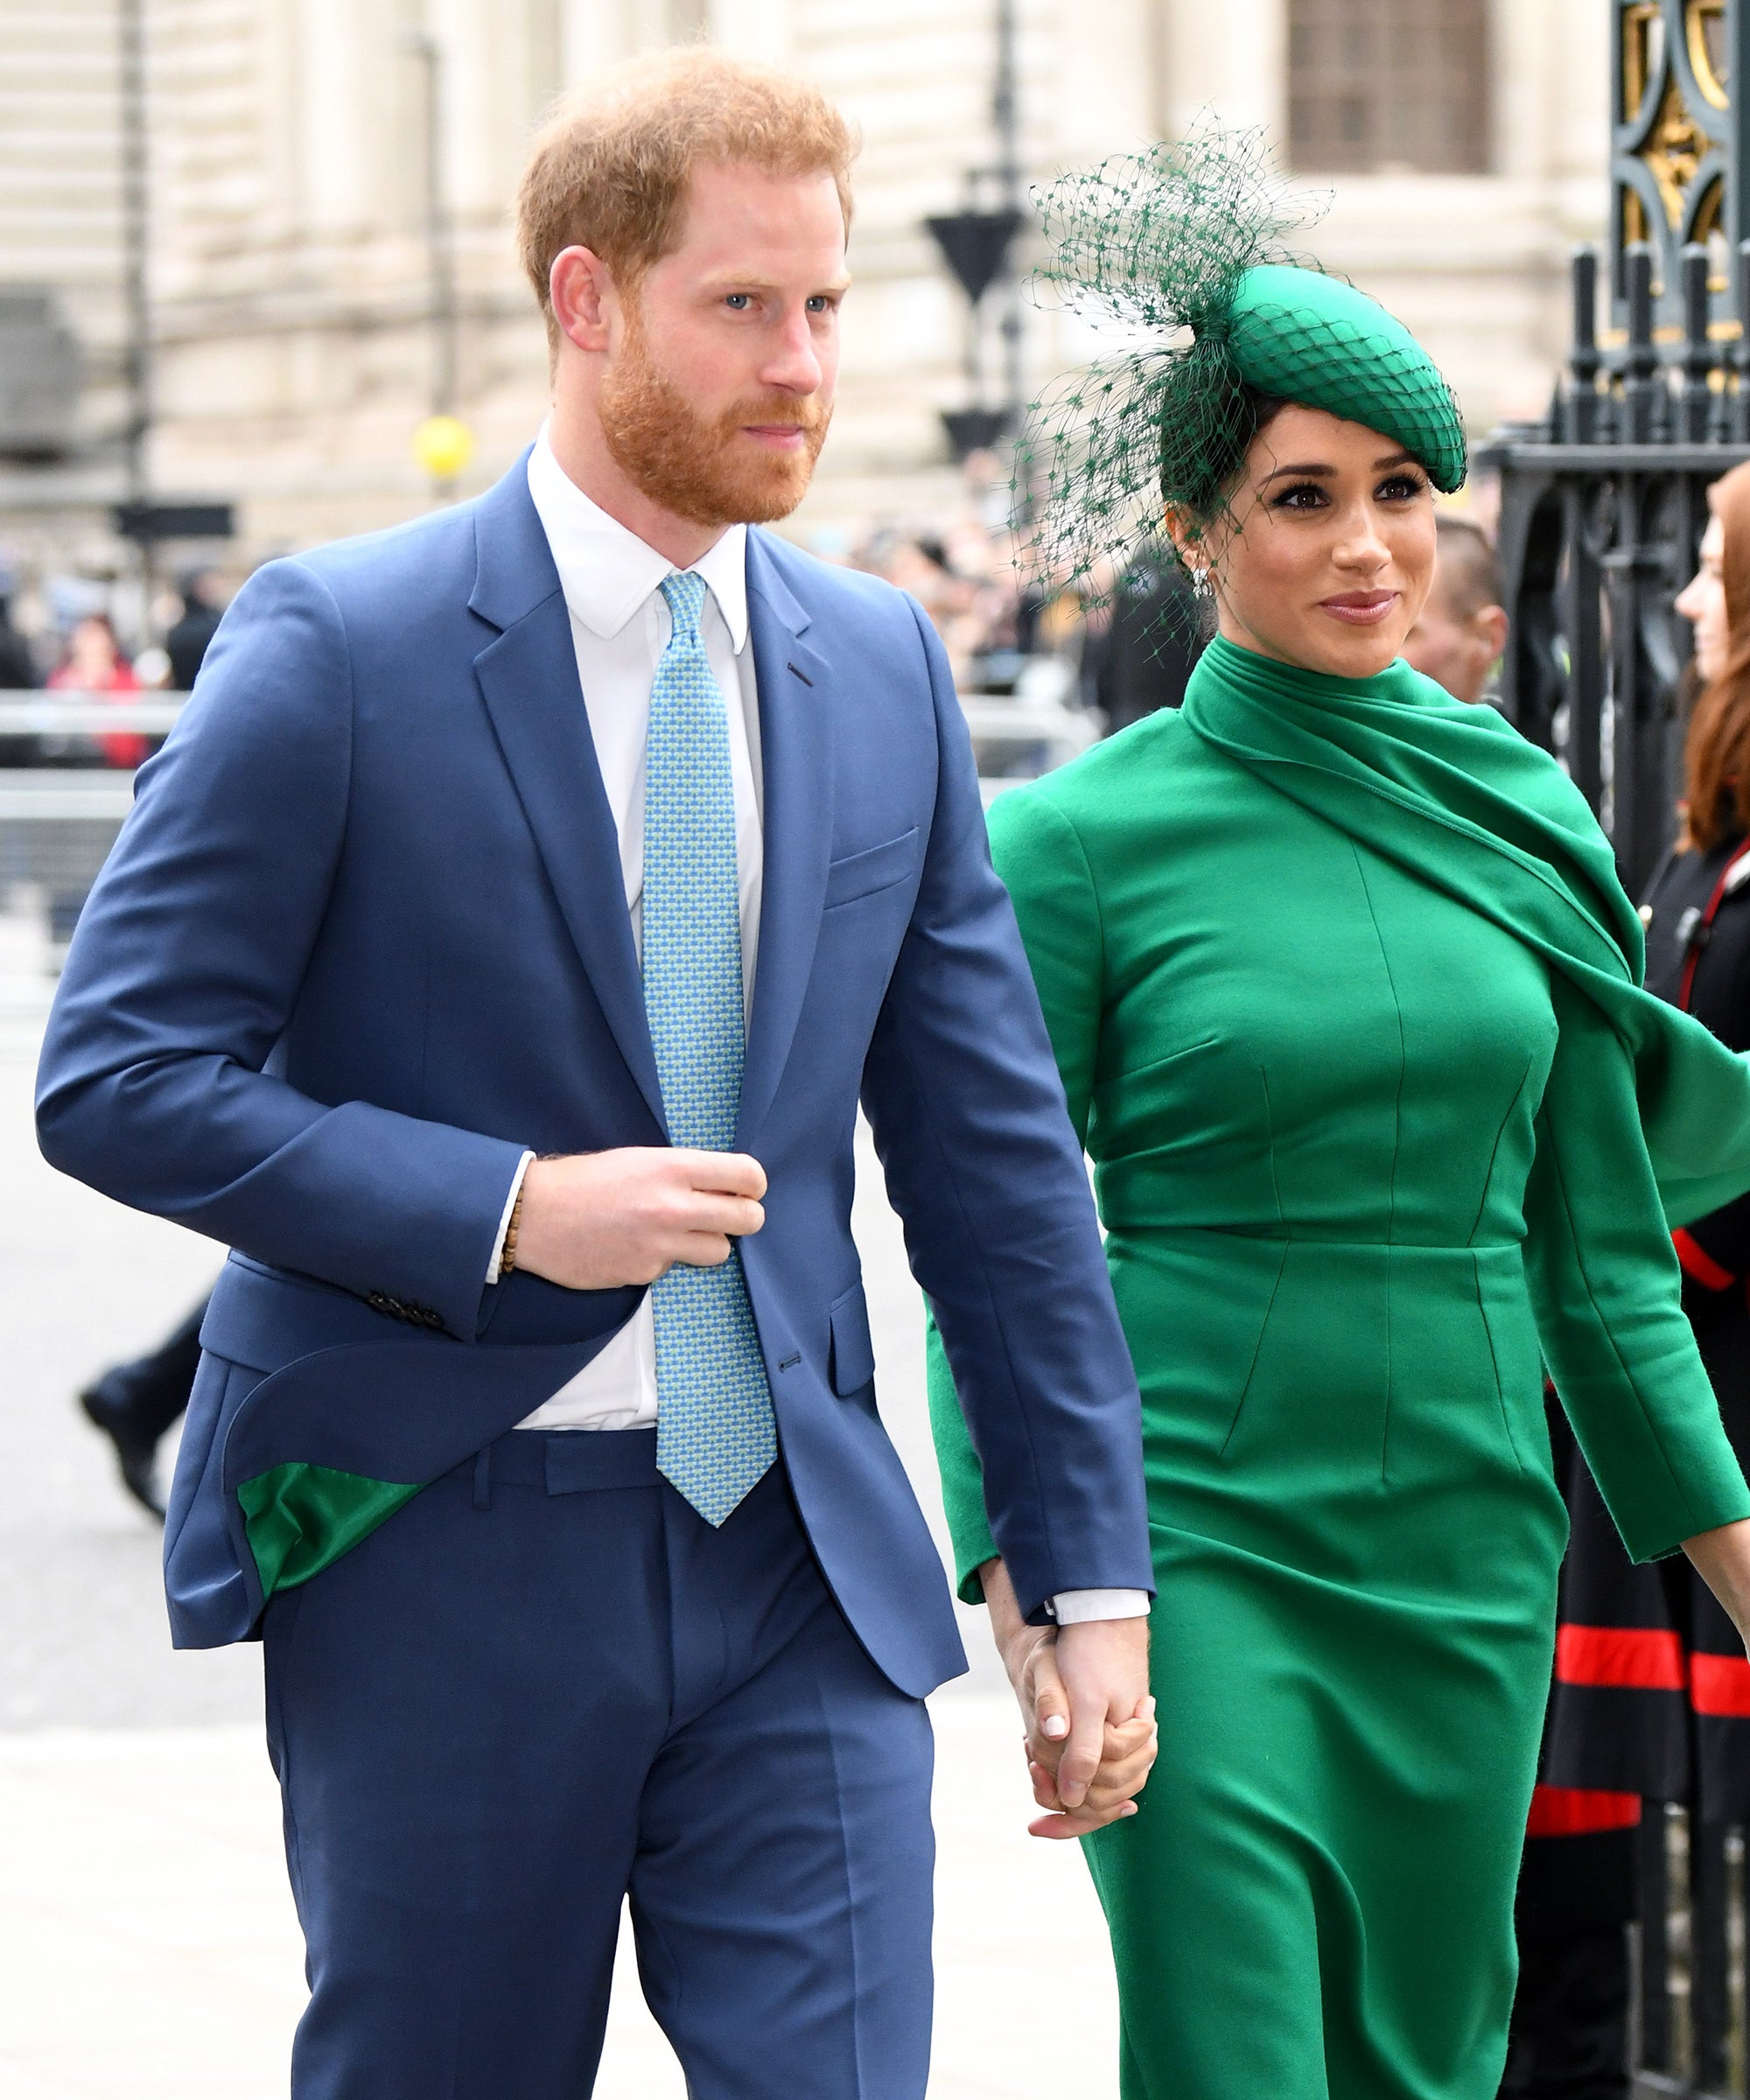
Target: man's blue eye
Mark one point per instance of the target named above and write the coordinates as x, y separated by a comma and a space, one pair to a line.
738, 300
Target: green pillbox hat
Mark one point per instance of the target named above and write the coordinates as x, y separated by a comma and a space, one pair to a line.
1182, 253
1315, 340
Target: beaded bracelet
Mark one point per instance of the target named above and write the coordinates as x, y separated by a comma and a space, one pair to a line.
506, 1260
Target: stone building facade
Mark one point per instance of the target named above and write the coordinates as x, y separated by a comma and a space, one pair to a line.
1464, 142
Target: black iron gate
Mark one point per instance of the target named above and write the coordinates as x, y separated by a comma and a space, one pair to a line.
1602, 509
1603, 505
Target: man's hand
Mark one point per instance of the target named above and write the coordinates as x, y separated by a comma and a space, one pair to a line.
597, 1221
1083, 1692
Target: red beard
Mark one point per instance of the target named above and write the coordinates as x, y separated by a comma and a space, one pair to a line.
702, 468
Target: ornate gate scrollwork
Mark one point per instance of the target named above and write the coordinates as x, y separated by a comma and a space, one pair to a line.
1677, 176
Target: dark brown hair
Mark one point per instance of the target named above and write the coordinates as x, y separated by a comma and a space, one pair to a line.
1717, 750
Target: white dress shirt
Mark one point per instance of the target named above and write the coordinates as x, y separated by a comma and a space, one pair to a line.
620, 625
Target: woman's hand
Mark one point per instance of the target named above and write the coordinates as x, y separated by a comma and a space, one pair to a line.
1082, 1787
1722, 1559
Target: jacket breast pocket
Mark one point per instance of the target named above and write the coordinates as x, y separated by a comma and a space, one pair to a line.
877, 868
850, 1360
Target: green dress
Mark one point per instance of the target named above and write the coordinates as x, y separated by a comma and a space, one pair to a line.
1343, 991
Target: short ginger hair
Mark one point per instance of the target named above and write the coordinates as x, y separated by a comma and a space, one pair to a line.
610, 168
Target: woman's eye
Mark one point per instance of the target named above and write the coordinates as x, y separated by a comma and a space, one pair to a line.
1400, 488
1301, 495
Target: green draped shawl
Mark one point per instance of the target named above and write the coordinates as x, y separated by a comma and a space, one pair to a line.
1456, 796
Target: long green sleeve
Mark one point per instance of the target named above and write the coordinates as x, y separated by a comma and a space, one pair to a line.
1038, 855
1604, 1288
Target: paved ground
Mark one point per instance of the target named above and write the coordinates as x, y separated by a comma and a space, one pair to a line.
146, 1937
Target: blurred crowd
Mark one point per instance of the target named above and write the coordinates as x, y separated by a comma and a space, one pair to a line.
68, 633
1121, 644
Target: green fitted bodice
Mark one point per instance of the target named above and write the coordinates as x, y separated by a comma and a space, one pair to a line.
1342, 991
1315, 1048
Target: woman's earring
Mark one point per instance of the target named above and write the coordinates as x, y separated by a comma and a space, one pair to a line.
1202, 583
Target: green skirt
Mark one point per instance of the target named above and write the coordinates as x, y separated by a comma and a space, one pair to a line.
1356, 1553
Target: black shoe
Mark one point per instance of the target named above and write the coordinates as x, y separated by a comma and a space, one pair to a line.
136, 1452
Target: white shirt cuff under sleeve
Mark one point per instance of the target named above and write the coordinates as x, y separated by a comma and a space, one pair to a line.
523, 1167
1075, 1607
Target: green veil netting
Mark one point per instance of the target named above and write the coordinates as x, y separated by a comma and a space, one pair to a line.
1180, 254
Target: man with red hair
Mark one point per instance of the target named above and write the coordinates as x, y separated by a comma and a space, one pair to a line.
495, 959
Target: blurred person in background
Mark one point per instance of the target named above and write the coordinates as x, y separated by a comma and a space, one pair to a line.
136, 1405
1141, 650
1459, 634
94, 664
18, 673
19, 670
1651, 1699
186, 644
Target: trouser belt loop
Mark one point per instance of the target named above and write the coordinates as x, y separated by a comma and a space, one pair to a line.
483, 1479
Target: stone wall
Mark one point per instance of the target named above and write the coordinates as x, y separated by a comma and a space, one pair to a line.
291, 268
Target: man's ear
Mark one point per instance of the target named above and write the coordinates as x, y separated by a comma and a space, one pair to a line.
584, 299
1491, 627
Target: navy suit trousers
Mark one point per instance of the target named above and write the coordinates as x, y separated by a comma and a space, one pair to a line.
549, 1684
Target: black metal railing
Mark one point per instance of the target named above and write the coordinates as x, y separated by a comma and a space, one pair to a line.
1691, 2013
1603, 505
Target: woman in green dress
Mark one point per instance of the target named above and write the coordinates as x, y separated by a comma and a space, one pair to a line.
1345, 996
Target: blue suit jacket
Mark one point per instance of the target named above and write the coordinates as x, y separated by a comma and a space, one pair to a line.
364, 939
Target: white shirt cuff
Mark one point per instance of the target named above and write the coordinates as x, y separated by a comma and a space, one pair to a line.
523, 1167
1075, 1607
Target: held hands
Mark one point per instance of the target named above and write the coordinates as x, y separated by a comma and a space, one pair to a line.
1083, 1692
598, 1221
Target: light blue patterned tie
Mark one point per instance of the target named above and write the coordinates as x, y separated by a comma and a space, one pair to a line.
715, 1434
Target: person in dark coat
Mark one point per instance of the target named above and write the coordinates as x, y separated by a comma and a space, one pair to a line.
18, 673
1152, 640
17, 666
186, 644
1651, 1698
136, 1405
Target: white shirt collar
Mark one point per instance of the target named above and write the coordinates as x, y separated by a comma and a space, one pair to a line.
607, 572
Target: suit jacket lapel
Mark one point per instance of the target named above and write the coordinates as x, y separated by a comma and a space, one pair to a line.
796, 763
529, 678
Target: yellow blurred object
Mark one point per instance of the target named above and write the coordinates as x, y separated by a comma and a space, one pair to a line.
443, 446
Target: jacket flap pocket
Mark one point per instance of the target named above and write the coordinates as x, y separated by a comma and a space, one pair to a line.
852, 1363
861, 874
